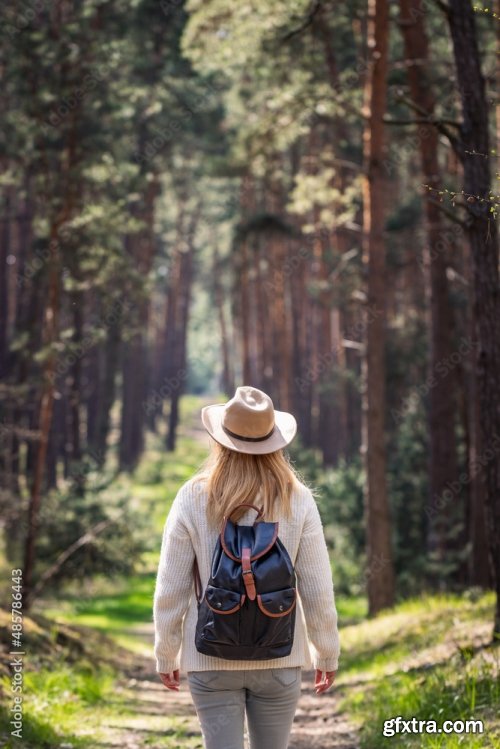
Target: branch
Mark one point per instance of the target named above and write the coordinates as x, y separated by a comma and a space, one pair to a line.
305, 23
439, 124
443, 7
346, 343
450, 214
420, 121
64, 555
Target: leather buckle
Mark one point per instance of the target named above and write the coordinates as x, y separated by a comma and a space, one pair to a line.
247, 573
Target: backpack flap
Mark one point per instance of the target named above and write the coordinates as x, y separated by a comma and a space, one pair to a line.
277, 603
259, 538
223, 601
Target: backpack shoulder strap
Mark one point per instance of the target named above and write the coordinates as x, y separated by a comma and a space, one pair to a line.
198, 589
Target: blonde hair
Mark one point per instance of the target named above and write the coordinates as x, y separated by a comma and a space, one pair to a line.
232, 477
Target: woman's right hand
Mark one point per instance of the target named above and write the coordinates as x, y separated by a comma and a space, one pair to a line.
322, 683
171, 680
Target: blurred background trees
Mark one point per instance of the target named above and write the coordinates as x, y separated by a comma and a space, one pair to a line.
295, 196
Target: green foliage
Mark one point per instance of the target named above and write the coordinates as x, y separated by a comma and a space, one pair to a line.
116, 550
339, 493
438, 696
60, 699
420, 660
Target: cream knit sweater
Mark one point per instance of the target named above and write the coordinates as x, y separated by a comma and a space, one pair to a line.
175, 611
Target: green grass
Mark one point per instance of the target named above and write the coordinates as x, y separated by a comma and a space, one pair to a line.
426, 659
57, 702
158, 477
117, 608
351, 610
424, 622
69, 706
451, 692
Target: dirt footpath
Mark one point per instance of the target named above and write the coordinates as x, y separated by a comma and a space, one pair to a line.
158, 718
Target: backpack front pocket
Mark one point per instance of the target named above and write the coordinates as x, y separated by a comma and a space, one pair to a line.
278, 603
220, 621
275, 620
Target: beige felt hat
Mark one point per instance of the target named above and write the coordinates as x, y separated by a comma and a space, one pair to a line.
248, 423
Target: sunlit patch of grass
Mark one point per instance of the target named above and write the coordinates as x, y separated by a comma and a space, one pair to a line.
411, 628
57, 703
125, 604
73, 706
161, 474
351, 609
426, 659
453, 691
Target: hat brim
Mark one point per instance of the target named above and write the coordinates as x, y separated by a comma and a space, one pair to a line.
285, 429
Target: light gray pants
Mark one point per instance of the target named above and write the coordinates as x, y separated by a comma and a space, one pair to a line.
268, 695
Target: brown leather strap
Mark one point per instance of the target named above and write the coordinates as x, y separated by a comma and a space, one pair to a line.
260, 510
197, 581
248, 439
246, 571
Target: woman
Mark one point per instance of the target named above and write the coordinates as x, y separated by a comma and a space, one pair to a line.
247, 464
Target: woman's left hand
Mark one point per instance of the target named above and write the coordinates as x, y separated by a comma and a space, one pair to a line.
171, 680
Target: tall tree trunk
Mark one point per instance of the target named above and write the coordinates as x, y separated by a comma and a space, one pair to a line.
328, 422
135, 360
479, 568
50, 333
245, 310
483, 237
227, 363
443, 459
102, 366
264, 299
302, 367
75, 393
5, 223
380, 572
179, 358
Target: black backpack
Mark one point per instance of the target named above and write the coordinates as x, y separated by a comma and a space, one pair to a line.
248, 609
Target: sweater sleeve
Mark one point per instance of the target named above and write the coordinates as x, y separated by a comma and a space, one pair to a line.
315, 588
174, 585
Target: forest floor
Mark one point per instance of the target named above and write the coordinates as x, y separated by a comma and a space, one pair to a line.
157, 718
425, 658
318, 721
90, 680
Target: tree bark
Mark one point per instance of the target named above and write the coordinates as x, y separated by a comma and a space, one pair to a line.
483, 236
4, 283
135, 362
50, 333
380, 571
443, 459
179, 349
